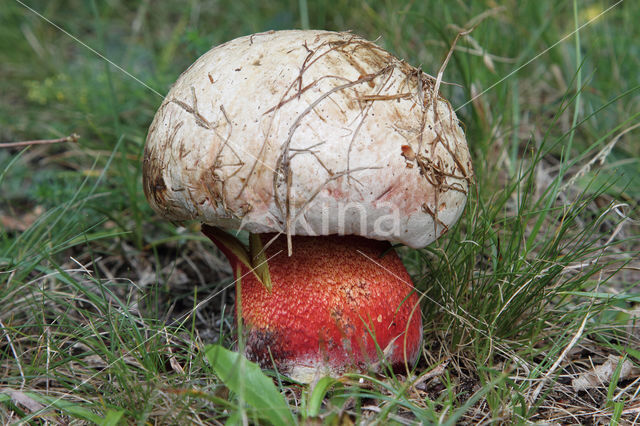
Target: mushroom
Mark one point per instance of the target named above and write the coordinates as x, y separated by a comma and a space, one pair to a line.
327, 149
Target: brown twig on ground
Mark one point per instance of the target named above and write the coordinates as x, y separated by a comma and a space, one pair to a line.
71, 138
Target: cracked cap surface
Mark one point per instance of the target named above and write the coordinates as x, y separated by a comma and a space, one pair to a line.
308, 133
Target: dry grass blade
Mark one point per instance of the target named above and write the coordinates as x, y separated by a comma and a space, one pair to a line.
13, 350
73, 138
598, 158
558, 361
101, 315
436, 89
24, 400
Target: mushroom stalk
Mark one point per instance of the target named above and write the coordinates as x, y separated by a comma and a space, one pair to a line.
313, 133
338, 303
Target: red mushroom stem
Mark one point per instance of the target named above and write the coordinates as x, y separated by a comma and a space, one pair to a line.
338, 303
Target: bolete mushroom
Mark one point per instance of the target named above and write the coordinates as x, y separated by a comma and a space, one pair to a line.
326, 149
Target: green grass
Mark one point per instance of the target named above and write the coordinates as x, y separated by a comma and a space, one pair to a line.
106, 309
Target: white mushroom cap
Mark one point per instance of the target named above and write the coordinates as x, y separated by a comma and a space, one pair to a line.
308, 133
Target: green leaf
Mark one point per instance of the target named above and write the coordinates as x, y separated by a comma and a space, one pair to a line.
259, 260
253, 257
615, 378
70, 408
627, 297
234, 419
317, 395
633, 352
618, 407
250, 384
112, 418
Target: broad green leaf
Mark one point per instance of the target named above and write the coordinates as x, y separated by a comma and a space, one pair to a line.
317, 395
234, 419
111, 418
250, 384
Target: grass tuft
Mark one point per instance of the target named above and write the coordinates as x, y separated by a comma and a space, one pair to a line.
107, 310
